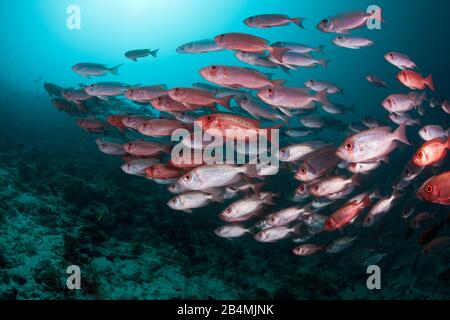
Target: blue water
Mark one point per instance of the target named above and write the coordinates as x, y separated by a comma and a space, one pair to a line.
58, 189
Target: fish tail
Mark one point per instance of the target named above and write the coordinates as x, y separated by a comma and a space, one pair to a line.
268, 199
400, 135
285, 69
277, 53
115, 70
324, 62
321, 49
429, 82
153, 53
299, 22
366, 200
250, 170
278, 83
256, 188
356, 180
297, 228
225, 101
217, 197
322, 97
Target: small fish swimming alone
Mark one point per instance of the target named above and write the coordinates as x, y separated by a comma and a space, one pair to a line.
94, 69
134, 55
272, 20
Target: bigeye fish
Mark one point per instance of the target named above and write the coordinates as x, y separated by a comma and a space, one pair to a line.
352, 42
87, 69
137, 166
192, 200
431, 132
272, 20
400, 103
231, 231
376, 81
401, 61
317, 86
380, 208
140, 53
298, 151
298, 47
372, 144
257, 109
345, 22
200, 46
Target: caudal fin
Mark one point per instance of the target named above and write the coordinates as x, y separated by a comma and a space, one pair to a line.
278, 83
429, 83
154, 53
324, 62
277, 53
400, 134
299, 22
115, 70
322, 97
225, 101
321, 49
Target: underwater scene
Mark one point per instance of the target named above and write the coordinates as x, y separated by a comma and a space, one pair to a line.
226, 149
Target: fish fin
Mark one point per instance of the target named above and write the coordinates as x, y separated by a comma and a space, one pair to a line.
250, 170
153, 53
356, 180
277, 53
217, 197
225, 101
134, 59
115, 70
400, 135
324, 62
299, 22
256, 188
104, 98
297, 228
285, 69
321, 49
366, 201
187, 210
278, 83
268, 199
429, 82
285, 111
321, 97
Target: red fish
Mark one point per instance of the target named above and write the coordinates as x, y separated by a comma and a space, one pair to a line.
116, 121
160, 127
162, 171
432, 152
346, 214
436, 189
92, 125
143, 148
230, 124
189, 96
414, 80
249, 43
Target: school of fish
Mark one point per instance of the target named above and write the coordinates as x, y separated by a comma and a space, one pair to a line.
336, 189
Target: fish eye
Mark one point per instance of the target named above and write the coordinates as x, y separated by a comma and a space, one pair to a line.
303, 170
339, 37
316, 188
209, 118
407, 171
324, 21
270, 91
259, 235
391, 55
228, 210
302, 188
273, 219
368, 219
429, 189
187, 177
173, 201
420, 154
349, 146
